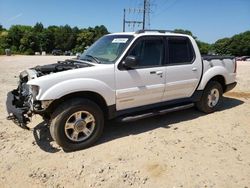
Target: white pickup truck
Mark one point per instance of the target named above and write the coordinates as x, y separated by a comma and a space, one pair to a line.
127, 76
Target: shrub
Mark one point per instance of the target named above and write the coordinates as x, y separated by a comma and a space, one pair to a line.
29, 52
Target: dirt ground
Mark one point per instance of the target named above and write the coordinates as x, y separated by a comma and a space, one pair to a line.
181, 149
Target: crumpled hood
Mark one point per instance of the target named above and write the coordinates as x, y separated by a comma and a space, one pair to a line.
52, 74
60, 66
92, 78
68, 64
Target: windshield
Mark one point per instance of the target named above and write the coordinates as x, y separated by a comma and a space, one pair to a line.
107, 49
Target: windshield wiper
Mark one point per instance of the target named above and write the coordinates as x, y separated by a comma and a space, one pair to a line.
94, 58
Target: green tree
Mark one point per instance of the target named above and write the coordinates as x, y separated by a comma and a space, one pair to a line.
27, 40
28, 44
238, 45
3, 41
88, 36
38, 27
1, 28
221, 46
205, 48
15, 34
64, 38
84, 39
100, 31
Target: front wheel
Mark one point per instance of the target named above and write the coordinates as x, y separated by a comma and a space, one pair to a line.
77, 124
211, 97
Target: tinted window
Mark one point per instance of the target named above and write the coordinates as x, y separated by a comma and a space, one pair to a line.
180, 50
149, 52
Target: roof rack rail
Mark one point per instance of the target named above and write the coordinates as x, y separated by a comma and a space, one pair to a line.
154, 30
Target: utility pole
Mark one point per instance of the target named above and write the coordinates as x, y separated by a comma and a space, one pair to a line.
124, 20
145, 11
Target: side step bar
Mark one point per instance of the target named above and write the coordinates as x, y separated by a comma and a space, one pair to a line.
154, 113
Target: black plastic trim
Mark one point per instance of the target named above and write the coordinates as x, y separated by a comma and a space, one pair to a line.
16, 114
154, 30
113, 113
154, 112
211, 57
230, 86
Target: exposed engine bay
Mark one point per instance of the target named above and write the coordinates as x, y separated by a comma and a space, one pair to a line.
60, 66
20, 102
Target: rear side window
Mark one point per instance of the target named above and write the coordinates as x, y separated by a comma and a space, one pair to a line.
180, 50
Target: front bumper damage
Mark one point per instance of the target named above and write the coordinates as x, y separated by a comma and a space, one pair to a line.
18, 111
22, 103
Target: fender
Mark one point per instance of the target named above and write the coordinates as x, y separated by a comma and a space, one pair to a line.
212, 72
76, 85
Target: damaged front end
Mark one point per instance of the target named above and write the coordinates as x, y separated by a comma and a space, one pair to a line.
22, 104
19, 102
18, 114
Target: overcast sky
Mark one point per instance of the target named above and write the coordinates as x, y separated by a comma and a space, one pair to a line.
209, 20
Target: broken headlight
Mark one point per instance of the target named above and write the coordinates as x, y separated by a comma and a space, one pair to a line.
34, 90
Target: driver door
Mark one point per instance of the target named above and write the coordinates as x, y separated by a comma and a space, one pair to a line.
143, 84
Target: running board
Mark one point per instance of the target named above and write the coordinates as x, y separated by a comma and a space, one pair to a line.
155, 113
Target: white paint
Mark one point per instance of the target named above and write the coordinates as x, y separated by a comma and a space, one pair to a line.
120, 40
133, 88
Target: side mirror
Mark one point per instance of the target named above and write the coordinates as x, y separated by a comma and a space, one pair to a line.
130, 62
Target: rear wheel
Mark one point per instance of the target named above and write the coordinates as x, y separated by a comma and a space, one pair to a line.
211, 97
77, 124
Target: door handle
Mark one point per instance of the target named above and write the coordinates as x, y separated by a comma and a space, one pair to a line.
159, 73
156, 72
194, 69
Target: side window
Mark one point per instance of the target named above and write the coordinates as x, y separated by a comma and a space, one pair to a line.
180, 50
149, 52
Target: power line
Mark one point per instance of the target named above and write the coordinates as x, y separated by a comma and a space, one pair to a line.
145, 11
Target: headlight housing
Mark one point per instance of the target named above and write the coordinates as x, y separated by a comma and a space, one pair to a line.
34, 90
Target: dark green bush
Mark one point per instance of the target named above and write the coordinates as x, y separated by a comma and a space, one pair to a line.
29, 52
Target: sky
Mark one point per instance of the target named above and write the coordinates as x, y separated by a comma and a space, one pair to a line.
209, 20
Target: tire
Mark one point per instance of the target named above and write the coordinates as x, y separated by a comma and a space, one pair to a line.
51, 129
211, 97
77, 124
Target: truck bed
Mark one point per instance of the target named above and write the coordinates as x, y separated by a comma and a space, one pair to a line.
222, 65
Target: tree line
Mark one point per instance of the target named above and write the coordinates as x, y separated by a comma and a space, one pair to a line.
237, 45
21, 39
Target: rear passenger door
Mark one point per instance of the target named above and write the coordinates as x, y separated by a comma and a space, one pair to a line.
183, 68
